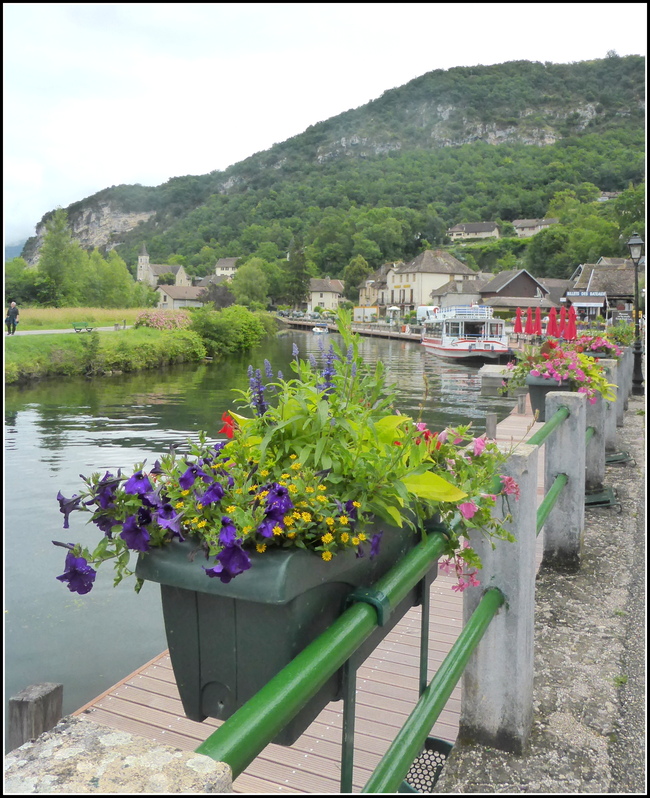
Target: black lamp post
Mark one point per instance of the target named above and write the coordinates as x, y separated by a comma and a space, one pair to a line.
635, 245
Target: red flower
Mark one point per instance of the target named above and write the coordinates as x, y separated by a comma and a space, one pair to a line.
229, 425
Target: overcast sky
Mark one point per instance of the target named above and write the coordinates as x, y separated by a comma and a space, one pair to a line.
98, 94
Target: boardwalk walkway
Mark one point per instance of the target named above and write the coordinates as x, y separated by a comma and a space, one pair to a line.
147, 702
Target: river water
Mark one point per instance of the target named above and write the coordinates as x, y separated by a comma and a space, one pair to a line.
59, 429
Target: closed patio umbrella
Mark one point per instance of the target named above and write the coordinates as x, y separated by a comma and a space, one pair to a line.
562, 320
552, 326
538, 321
518, 325
530, 324
570, 331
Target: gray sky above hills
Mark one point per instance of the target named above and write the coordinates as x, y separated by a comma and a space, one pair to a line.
99, 94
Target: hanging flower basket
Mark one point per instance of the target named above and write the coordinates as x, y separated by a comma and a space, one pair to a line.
226, 641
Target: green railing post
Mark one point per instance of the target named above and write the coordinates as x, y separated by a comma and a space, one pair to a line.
241, 738
394, 766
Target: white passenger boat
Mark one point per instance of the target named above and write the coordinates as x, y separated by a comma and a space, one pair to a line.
320, 329
466, 331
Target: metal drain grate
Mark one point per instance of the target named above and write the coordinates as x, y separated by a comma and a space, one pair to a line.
426, 770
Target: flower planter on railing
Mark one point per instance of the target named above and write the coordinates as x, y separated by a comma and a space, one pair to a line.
538, 387
226, 641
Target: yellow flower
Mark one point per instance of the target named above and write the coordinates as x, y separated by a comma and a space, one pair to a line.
329, 521
327, 556
178, 505
321, 498
185, 493
247, 530
285, 476
343, 519
203, 523
292, 534
362, 536
195, 520
356, 504
293, 456
328, 537
309, 490
355, 541
277, 530
296, 515
296, 466
199, 506
344, 537
288, 520
322, 487
231, 508
306, 517
261, 547
264, 472
293, 488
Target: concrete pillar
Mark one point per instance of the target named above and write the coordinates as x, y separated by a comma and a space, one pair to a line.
595, 464
611, 374
627, 361
497, 693
565, 453
621, 392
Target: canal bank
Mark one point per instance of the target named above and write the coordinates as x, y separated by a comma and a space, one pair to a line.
588, 732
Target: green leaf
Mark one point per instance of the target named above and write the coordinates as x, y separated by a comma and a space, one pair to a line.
432, 487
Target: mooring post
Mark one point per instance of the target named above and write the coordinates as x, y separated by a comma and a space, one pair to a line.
565, 453
521, 404
611, 374
35, 710
497, 692
491, 426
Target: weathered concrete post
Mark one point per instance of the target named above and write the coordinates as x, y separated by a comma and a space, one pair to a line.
35, 710
491, 426
627, 362
564, 453
595, 464
497, 693
611, 374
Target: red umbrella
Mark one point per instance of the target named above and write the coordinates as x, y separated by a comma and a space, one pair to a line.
530, 324
538, 321
518, 327
570, 331
552, 326
562, 320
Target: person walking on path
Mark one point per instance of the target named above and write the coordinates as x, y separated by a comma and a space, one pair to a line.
12, 319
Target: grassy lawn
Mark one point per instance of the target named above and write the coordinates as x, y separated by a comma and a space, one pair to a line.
36, 356
62, 318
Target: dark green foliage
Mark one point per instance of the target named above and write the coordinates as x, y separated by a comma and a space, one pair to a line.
233, 329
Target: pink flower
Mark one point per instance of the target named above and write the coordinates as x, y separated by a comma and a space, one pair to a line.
467, 509
460, 586
510, 486
479, 446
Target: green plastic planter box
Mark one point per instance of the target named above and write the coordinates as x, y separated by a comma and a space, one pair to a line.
538, 387
226, 641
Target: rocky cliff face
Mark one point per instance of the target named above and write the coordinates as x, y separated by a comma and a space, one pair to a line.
101, 226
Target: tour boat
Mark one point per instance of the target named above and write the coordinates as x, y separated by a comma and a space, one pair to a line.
320, 329
466, 331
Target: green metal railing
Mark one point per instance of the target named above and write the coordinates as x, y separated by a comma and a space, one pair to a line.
392, 769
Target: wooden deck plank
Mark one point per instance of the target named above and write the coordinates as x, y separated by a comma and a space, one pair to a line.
147, 702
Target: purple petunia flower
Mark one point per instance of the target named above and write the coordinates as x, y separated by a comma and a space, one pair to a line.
138, 484
228, 532
105, 493
66, 506
105, 523
375, 543
213, 494
265, 529
136, 536
231, 562
278, 499
193, 472
168, 518
78, 574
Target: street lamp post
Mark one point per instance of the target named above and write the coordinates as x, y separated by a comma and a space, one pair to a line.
635, 245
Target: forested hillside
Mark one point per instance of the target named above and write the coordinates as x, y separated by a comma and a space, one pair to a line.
495, 143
